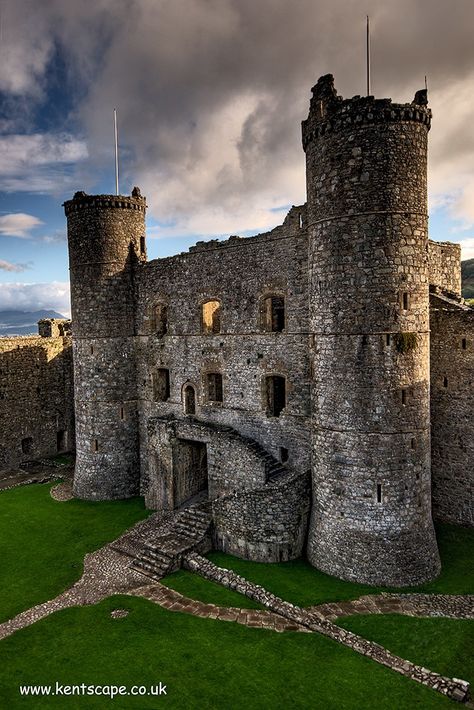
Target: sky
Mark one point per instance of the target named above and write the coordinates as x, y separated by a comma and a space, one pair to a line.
210, 95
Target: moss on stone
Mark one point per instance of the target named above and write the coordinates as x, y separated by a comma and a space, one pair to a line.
404, 342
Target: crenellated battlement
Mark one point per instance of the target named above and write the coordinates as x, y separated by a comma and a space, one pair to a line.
83, 201
330, 113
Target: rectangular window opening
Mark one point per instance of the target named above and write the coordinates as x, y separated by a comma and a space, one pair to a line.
92, 349
388, 339
96, 445
61, 440
464, 344
161, 384
214, 387
405, 301
274, 312
27, 445
284, 454
275, 395
445, 382
404, 396
379, 492
142, 245
413, 443
122, 413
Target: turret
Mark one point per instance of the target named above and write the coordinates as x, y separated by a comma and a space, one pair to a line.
368, 263
106, 236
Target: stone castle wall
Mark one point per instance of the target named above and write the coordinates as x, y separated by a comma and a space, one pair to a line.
239, 273
452, 432
445, 267
268, 524
36, 398
369, 315
106, 236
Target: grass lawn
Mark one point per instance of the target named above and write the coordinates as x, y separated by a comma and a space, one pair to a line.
196, 587
442, 645
304, 585
204, 663
43, 542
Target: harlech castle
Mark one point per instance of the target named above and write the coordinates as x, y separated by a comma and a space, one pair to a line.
313, 383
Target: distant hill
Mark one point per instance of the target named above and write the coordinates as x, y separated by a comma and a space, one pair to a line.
467, 273
23, 322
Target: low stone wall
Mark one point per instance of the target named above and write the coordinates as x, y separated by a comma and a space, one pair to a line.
451, 687
265, 525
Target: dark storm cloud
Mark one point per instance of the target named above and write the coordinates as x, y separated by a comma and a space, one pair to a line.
211, 93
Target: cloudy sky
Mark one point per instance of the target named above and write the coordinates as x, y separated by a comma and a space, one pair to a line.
210, 95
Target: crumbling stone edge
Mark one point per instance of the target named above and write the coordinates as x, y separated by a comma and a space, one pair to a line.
453, 688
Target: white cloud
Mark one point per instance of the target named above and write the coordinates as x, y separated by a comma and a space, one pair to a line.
35, 296
14, 268
38, 162
467, 248
18, 224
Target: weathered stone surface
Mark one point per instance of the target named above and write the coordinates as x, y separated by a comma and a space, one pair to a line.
336, 378
368, 282
36, 395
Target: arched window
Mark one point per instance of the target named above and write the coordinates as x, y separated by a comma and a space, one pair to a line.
274, 314
211, 317
275, 395
189, 397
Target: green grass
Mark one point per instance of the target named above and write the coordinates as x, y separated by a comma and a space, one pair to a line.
43, 542
204, 663
442, 645
304, 585
195, 587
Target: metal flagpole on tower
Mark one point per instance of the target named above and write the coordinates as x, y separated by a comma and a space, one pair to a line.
116, 154
368, 56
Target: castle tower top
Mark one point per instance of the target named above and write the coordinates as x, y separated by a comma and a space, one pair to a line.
83, 201
329, 112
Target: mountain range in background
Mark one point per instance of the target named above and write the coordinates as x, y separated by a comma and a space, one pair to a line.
467, 273
23, 322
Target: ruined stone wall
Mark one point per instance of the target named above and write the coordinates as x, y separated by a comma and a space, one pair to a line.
106, 235
239, 273
265, 525
368, 271
445, 267
36, 398
452, 414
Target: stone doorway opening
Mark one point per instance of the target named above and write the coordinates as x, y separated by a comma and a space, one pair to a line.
190, 474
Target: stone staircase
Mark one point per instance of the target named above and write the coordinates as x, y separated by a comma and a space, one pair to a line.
160, 551
273, 467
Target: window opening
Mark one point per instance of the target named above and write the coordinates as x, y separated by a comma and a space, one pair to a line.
214, 387
275, 395
211, 317
274, 313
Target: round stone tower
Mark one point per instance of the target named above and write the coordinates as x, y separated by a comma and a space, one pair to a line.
369, 318
106, 235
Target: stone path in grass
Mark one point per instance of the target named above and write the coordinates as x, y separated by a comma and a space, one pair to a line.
448, 606
175, 601
108, 571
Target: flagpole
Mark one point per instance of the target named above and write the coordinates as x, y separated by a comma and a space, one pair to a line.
116, 154
368, 56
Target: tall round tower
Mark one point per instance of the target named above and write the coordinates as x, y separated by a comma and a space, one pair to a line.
106, 235
366, 163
